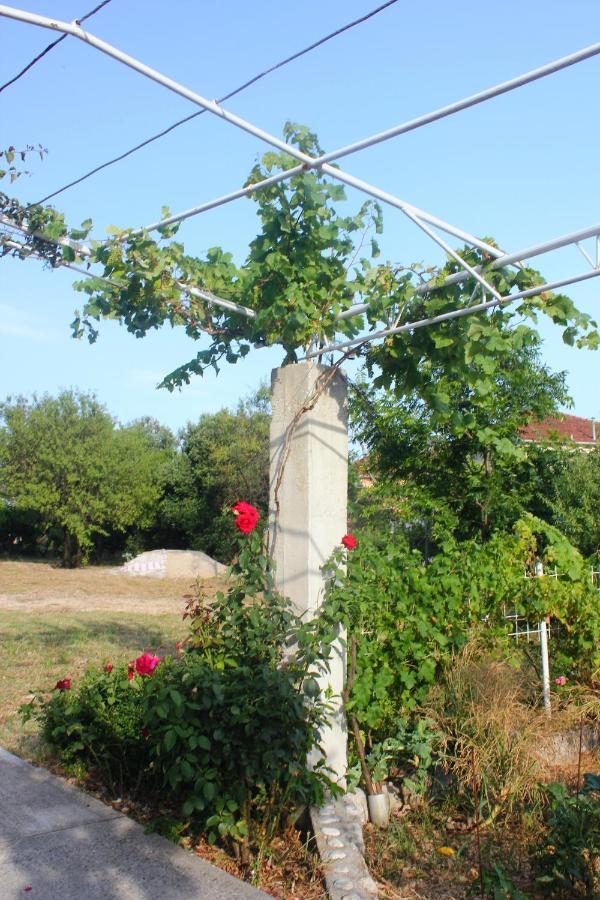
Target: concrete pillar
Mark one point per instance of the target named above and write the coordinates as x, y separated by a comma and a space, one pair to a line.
308, 506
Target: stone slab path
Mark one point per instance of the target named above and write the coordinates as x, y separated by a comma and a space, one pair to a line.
57, 843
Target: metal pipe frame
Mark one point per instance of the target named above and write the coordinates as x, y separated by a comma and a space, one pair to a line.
75, 30
505, 260
413, 213
453, 314
534, 250
411, 125
84, 250
322, 163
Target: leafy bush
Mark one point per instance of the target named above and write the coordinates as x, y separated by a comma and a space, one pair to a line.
100, 723
568, 859
234, 722
227, 728
232, 743
408, 615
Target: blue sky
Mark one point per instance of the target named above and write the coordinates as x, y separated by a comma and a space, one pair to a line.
521, 168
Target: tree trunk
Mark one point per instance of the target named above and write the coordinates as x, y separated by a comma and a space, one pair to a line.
66, 549
72, 553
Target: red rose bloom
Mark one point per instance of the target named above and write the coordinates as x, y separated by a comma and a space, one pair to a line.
145, 732
349, 541
246, 517
63, 685
108, 668
131, 671
146, 664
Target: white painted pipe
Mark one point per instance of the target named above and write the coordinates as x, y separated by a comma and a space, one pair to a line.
452, 314
243, 124
84, 250
473, 100
506, 259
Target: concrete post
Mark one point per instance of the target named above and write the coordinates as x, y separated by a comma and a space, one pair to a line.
308, 506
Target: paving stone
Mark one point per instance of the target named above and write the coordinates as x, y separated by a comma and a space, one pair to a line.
69, 846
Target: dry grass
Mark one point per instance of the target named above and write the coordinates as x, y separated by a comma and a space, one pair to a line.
56, 623
491, 732
38, 649
35, 586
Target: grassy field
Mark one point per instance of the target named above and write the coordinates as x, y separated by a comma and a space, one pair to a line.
54, 623
33, 586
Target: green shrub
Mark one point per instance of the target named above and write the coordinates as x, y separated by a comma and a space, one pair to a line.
226, 729
232, 743
98, 722
568, 858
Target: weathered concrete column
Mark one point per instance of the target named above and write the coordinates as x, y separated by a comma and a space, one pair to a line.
308, 506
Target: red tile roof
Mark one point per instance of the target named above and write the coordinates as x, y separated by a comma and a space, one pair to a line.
572, 428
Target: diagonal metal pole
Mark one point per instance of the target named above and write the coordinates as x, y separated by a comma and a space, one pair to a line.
414, 214
322, 162
213, 107
507, 259
84, 250
453, 314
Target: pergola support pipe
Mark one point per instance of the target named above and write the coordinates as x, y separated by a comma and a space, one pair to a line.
506, 259
452, 314
84, 250
411, 125
211, 106
467, 102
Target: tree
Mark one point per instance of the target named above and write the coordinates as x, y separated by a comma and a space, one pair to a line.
466, 457
303, 269
576, 501
64, 459
225, 458
222, 458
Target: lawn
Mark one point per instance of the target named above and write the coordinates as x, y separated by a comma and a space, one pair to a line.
38, 649
54, 623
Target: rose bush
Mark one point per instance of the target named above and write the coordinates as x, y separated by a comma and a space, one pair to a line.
98, 723
225, 727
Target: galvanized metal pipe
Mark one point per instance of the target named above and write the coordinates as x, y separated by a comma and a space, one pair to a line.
452, 314
506, 259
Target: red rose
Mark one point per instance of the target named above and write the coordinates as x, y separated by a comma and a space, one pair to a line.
108, 668
131, 671
63, 685
146, 664
349, 541
145, 732
246, 517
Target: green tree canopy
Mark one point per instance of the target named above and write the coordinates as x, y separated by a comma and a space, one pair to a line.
576, 499
467, 457
65, 459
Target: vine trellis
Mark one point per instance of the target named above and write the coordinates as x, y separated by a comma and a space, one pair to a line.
306, 283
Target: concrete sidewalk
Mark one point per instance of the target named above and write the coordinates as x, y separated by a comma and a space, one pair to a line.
57, 843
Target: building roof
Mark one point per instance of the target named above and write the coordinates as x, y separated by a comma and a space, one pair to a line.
565, 427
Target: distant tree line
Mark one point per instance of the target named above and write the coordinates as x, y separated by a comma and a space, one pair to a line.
74, 483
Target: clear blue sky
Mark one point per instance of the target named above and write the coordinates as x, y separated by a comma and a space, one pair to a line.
521, 168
